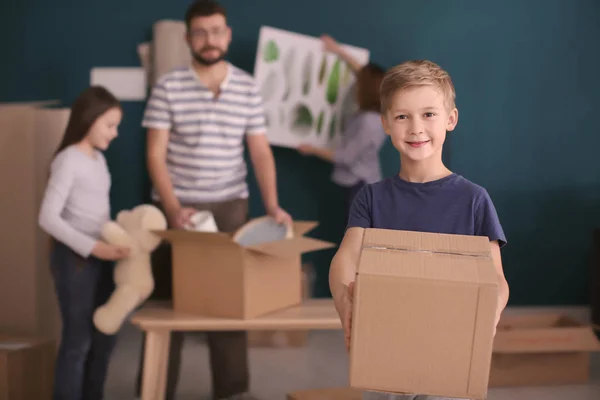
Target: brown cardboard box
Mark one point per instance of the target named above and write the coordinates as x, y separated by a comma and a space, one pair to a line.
326, 394
542, 349
215, 276
26, 368
285, 338
423, 317
29, 135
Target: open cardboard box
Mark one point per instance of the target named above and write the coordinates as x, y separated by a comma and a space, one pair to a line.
424, 313
215, 276
285, 338
542, 349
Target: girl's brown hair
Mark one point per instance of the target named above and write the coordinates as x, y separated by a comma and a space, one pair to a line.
368, 82
89, 105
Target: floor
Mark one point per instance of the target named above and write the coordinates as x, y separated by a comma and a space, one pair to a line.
323, 363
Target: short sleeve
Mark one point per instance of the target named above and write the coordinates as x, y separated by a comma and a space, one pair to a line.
158, 113
360, 214
487, 222
256, 122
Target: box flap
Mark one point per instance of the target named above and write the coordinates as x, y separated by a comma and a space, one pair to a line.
290, 247
182, 235
427, 242
302, 227
536, 320
551, 339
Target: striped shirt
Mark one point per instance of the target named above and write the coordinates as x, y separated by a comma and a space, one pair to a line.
205, 151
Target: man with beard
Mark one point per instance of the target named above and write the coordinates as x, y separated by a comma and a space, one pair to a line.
197, 119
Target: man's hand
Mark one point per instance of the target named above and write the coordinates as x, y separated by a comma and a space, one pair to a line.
280, 216
347, 316
264, 168
179, 218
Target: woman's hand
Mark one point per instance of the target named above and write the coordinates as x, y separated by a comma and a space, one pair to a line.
306, 149
332, 46
329, 44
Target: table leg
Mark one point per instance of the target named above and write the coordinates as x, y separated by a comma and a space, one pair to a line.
156, 358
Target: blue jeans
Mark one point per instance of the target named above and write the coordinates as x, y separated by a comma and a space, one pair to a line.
84, 353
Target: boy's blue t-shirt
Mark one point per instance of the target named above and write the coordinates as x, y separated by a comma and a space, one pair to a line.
451, 205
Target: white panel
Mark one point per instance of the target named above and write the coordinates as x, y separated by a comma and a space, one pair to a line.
125, 83
308, 93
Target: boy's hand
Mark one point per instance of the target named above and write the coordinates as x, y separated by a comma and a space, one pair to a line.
498, 315
347, 317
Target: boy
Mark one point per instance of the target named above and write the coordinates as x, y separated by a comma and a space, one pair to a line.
418, 108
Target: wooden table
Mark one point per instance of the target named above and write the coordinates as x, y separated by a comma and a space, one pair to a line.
159, 320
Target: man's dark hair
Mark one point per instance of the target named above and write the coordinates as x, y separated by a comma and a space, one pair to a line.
203, 8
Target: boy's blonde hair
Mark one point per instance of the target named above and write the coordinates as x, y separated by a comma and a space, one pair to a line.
416, 73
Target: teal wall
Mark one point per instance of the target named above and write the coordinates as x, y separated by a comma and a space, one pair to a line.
527, 82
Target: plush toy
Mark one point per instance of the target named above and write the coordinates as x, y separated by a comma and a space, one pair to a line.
133, 275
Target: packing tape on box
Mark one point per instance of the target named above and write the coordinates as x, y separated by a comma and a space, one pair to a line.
411, 250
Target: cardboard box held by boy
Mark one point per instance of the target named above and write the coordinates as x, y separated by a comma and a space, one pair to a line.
424, 314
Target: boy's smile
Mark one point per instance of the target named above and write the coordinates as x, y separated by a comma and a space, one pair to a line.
419, 143
417, 121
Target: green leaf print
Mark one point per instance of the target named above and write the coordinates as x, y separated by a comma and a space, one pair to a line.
320, 122
307, 73
333, 84
346, 77
303, 120
332, 127
322, 70
271, 52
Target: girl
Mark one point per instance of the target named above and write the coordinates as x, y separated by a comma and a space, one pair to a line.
73, 210
356, 160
